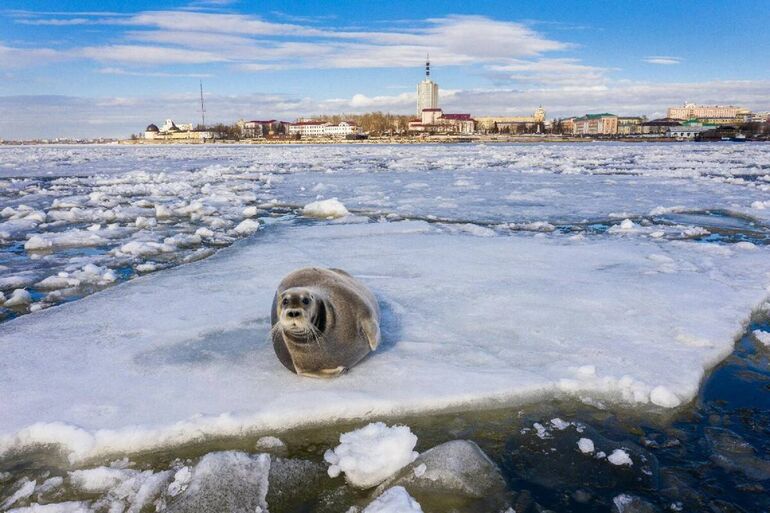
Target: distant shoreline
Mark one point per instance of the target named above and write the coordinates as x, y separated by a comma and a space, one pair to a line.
372, 141
411, 140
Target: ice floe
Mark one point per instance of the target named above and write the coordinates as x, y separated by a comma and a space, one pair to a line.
593, 319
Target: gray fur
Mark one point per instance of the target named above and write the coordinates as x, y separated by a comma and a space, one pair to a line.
345, 316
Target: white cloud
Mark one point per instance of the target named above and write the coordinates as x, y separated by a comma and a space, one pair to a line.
149, 54
11, 57
185, 37
663, 59
162, 74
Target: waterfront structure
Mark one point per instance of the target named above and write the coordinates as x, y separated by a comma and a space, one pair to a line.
427, 92
659, 126
708, 112
596, 124
435, 121
171, 131
512, 124
314, 128
686, 132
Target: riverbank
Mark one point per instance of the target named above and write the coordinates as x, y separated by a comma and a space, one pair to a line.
432, 139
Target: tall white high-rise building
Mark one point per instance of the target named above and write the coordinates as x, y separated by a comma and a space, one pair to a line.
427, 92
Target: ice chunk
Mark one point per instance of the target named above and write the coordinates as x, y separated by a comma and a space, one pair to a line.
99, 479
456, 472
246, 227
762, 336
57, 282
250, 211
330, 208
24, 489
19, 297
371, 454
181, 481
271, 445
620, 457
394, 500
586, 445
662, 396
628, 337
244, 477
560, 424
58, 507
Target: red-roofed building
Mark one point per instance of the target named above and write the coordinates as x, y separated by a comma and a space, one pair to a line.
434, 120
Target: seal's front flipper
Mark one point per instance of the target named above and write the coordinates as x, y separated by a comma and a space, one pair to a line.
325, 373
371, 332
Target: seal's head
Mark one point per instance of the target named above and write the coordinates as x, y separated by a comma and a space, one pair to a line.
299, 310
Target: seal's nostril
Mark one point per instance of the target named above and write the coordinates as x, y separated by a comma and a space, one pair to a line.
292, 313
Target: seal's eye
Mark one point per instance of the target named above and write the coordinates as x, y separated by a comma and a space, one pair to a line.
305, 300
285, 301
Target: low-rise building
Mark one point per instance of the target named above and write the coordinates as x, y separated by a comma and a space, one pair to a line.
596, 124
629, 125
703, 112
313, 128
434, 120
659, 126
511, 124
686, 132
171, 131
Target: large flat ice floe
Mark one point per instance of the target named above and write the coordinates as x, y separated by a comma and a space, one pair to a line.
467, 320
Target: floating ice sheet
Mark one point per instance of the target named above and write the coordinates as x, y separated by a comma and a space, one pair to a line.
171, 357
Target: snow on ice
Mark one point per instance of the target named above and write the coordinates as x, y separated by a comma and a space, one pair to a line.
466, 320
370, 455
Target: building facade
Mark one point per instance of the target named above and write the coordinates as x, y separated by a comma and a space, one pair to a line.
512, 124
686, 132
313, 128
435, 121
171, 131
596, 124
427, 92
692, 111
628, 125
659, 126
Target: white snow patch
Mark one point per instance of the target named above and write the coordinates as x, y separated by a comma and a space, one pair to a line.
586, 445
394, 500
370, 455
620, 457
664, 397
330, 208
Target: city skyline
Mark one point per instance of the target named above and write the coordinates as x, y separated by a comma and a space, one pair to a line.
100, 69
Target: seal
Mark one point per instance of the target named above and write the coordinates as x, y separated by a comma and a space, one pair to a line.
324, 322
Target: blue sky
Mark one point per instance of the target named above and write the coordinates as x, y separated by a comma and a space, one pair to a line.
87, 68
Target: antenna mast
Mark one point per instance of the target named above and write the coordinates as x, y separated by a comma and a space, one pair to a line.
203, 110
